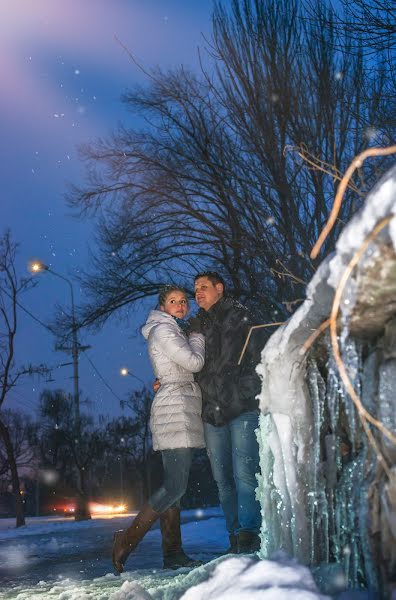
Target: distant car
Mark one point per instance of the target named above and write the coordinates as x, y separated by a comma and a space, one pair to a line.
69, 510
62, 506
68, 506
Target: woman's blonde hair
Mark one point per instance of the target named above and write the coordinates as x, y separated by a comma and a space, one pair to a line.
168, 289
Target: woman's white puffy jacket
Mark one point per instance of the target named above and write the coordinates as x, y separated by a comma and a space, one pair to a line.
176, 410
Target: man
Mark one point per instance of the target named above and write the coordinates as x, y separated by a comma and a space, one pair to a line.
230, 408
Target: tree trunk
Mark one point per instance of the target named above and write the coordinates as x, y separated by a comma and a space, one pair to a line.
16, 488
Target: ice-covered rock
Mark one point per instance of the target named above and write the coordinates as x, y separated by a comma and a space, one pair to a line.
321, 494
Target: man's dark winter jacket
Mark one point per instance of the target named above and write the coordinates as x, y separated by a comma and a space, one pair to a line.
228, 390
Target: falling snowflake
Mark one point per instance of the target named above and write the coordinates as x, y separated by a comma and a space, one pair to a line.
371, 133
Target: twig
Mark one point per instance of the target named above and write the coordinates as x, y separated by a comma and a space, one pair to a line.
373, 442
133, 59
287, 273
356, 164
281, 274
250, 333
363, 413
317, 164
314, 335
290, 303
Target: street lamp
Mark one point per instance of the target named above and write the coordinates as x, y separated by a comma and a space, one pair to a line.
124, 371
38, 266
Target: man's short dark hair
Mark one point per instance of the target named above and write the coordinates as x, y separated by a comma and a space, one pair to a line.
212, 276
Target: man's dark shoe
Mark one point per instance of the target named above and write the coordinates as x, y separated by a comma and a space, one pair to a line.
180, 559
233, 547
126, 541
173, 553
248, 542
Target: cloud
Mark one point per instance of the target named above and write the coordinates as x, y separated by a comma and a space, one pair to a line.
47, 43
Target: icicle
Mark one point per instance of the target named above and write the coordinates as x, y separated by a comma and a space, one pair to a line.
367, 567
387, 402
265, 488
332, 393
317, 392
332, 444
351, 360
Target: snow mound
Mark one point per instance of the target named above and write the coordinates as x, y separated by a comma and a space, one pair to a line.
247, 578
130, 591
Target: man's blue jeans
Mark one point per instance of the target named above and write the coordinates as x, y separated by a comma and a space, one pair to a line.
234, 457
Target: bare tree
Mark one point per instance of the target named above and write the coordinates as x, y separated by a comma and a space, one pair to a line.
54, 429
20, 428
370, 26
213, 179
61, 451
372, 21
11, 288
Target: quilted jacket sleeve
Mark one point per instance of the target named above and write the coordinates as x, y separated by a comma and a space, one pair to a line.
189, 352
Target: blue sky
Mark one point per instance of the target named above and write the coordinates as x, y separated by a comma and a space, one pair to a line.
63, 73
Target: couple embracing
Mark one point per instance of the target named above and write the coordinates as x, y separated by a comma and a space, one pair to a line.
204, 398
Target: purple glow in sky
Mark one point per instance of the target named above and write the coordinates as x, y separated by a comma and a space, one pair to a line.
63, 72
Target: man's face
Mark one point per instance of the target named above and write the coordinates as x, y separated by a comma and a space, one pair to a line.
207, 293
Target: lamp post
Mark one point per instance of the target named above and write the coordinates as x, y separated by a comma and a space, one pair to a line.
39, 267
121, 457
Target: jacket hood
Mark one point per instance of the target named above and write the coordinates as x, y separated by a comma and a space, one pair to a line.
155, 318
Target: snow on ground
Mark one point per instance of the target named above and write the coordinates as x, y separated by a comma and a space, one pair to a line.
63, 560
48, 524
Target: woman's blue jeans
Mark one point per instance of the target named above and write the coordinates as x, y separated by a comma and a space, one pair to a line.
234, 457
177, 463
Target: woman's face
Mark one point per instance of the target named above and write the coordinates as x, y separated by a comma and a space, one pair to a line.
176, 304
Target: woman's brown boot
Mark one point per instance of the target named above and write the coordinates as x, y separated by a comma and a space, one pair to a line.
126, 540
173, 553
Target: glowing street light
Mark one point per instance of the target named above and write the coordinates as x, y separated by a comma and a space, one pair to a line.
37, 266
124, 372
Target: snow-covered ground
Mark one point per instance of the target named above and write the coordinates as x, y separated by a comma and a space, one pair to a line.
54, 558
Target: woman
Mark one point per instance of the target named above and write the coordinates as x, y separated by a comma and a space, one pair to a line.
175, 423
